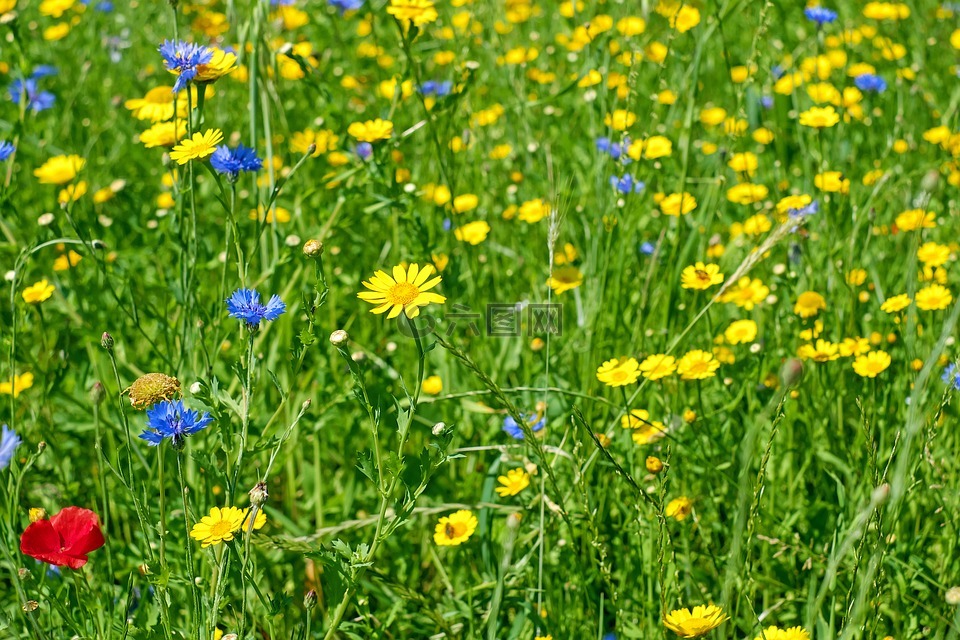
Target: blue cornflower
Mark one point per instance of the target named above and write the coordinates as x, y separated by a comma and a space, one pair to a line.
647, 248
766, 102
627, 184
437, 88
170, 419
346, 5
950, 377
36, 100
616, 150
245, 305
230, 162
364, 150
870, 82
8, 444
808, 210
820, 15
776, 72
6, 150
534, 420
183, 58
44, 70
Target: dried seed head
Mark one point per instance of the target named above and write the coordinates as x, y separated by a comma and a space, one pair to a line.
259, 494
313, 248
151, 389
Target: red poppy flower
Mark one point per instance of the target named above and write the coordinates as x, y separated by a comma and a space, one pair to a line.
65, 539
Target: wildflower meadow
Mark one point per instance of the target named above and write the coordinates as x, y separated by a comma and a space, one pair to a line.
499, 319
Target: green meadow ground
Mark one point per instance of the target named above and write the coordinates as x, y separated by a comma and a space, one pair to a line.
772, 431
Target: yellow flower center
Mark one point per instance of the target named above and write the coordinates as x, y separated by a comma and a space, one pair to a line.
221, 529
619, 375
402, 293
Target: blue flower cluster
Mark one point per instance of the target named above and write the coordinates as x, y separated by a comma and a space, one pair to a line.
534, 420
346, 5
183, 58
627, 184
616, 150
171, 420
437, 88
820, 15
6, 150
951, 377
245, 305
28, 89
230, 162
870, 82
9, 441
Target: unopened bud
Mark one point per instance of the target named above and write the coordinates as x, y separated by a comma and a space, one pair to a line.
310, 600
97, 392
313, 248
953, 596
30, 605
339, 338
312, 149
439, 428
654, 464
41, 446
791, 372
259, 494
106, 341
880, 494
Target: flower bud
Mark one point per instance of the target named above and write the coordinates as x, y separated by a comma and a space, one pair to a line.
791, 372
339, 338
106, 341
259, 494
439, 428
654, 464
97, 392
310, 600
953, 596
313, 248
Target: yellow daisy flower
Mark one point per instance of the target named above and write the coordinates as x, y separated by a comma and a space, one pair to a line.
198, 147
513, 483
221, 525
455, 528
38, 292
406, 291
618, 372
693, 624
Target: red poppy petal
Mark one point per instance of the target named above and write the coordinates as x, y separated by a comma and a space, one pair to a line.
80, 531
40, 540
